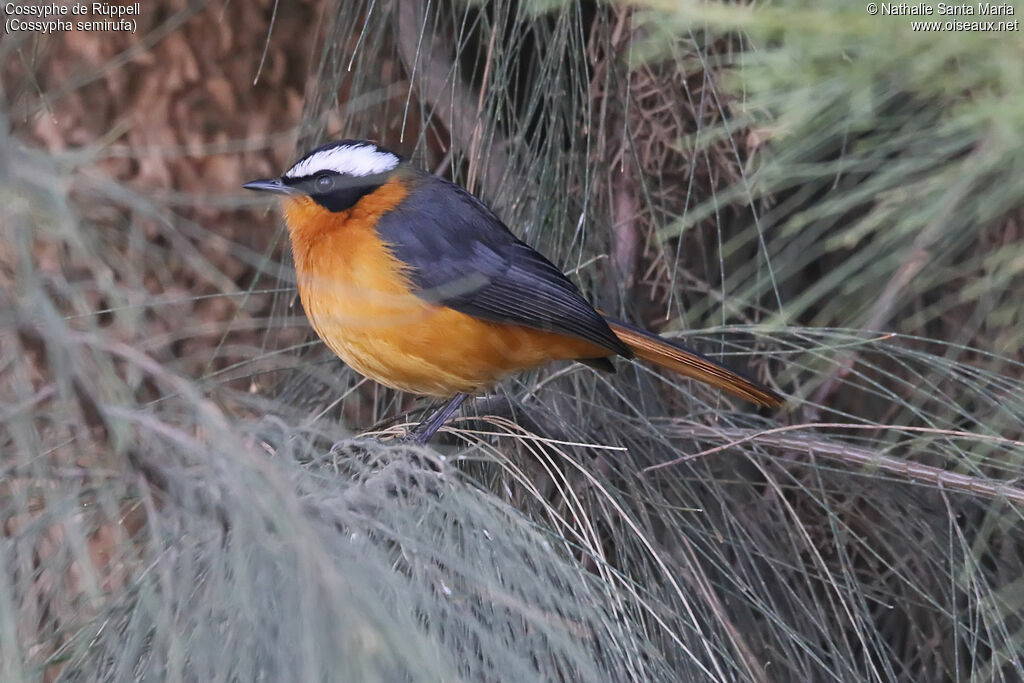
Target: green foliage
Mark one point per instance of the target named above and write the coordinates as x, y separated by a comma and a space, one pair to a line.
891, 156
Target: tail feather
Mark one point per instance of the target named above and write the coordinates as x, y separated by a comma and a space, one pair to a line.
674, 356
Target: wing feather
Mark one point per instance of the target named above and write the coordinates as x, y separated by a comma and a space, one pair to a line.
462, 256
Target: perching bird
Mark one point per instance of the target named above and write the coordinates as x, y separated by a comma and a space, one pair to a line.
418, 285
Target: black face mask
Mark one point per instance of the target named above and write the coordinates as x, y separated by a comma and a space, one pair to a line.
334, 191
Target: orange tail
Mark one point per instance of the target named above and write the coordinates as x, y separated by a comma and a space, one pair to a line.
674, 356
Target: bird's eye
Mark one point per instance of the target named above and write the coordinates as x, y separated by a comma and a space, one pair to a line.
324, 183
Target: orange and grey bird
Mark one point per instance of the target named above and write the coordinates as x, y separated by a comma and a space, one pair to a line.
417, 284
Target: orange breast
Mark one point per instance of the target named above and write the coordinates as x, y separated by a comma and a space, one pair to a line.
357, 297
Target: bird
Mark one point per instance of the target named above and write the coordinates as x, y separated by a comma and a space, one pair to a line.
417, 284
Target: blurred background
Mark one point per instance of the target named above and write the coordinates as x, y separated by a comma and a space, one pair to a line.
193, 487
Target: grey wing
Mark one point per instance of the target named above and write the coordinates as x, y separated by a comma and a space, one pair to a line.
462, 256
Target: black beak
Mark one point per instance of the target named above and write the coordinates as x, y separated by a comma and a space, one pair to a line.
270, 185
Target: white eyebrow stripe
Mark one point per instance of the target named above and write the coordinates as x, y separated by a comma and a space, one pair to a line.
356, 160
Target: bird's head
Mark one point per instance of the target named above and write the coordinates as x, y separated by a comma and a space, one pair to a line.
335, 176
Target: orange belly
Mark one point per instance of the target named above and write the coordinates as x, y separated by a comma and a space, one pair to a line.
357, 297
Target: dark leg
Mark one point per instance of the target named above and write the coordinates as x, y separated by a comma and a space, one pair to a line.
423, 432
